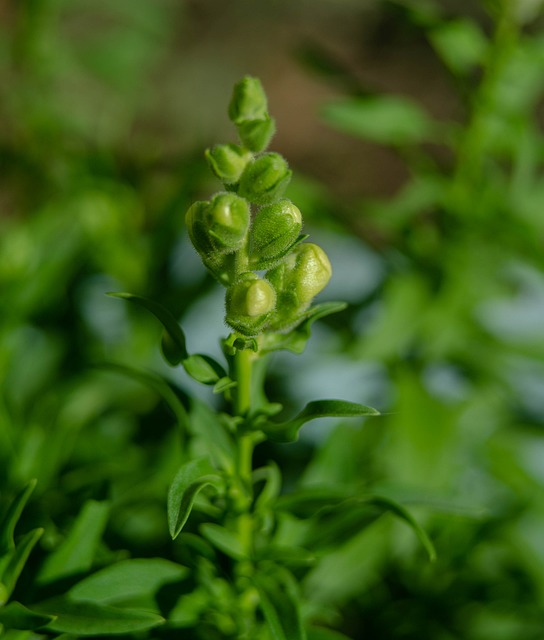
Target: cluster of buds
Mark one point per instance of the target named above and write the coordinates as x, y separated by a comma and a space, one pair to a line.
251, 227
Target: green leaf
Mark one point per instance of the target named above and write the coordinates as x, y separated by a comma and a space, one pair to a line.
16, 560
288, 431
90, 619
17, 616
224, 384
296, 339
290, 556
191, 478
203, 368
279, 602
460, 43
271, 475
127, 579
7, 528
389, 120
210, 426
76, 554
224, 540
174, 348
158, 384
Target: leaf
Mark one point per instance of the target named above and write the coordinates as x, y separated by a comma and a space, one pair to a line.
224, 540
284, 555
191, 478
174, 348
224, 384
390, 120
158, 384
203, 368
288, 431
16, 616
460, 43
127, 579
90, 619
76, 554
18, 557
279, 602
7, 528
206, 424
271, 475
296, 339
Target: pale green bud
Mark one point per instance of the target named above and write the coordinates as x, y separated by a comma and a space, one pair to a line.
256, 134
297, 280
265, 179
249, 302
220, 225
273, 231
248, 101
228, 161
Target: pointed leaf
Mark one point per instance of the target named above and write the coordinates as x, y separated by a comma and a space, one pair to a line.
7, 527
321, 633
18, 557
226, 541
76, 554
279, 602
224, 384
174, 348
288, 431
191, 478
289, 556
128, 579
17, 616
90, 619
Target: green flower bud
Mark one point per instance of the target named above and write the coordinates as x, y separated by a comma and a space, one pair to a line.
298, 279
249, 302
273, 231
228, 161
220, 225
248, 101
265, 179
256, 134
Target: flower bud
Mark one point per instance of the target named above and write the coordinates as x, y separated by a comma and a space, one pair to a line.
265, 179
256, 134
249, 302
220, 225
248, 101
298, 279
227, 161
274, 230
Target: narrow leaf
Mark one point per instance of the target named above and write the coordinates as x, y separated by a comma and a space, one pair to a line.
191, 478
76, 554
383, 119
402, 513
16, 616
174, 348
224, 540
321, 633
288, 431
279, 600
18, 558
90, 619
7, 528
128, 579
224, 384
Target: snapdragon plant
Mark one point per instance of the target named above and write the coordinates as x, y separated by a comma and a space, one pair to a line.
250, 543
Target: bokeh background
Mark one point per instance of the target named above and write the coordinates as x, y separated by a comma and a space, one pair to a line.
414, 130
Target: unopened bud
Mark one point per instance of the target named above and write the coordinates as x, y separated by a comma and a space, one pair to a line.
220, 225
265, 179
274, 229
256, 134
248, 101
249, 303
298, 279
228, 161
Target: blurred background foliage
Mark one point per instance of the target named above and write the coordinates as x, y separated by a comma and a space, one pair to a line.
414, 129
